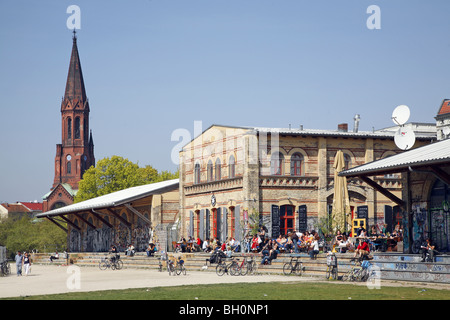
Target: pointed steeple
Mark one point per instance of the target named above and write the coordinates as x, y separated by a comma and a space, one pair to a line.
75, 84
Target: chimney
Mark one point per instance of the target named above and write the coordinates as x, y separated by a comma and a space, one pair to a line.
356, 127
343, 127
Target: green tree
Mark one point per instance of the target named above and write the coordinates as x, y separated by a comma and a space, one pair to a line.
26, 234
114, 174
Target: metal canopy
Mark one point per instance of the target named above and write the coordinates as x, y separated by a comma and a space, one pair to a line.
114, 199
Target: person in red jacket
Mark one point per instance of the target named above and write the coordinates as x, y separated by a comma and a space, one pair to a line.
362, 249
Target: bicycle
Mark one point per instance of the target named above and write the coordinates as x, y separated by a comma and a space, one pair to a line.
293, 266
252, 266
356, 273
5, 268
171, 267
180, 269
332, 270
222, 267
237, 268
106, 263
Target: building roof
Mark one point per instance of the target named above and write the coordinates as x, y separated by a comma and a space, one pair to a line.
66, 186
33, 206
383, 134
445, 107
435, 153
15, 207
115, 199
75, 83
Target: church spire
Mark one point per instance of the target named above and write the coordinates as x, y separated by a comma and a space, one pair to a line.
75, 83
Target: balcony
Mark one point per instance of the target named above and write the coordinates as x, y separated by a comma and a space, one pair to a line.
213, 186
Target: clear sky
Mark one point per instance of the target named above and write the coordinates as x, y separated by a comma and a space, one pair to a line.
153, 66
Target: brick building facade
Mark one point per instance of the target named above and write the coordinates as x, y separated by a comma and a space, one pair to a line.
286, 175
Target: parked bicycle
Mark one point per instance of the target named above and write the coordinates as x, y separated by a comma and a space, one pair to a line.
5, 268
293, 267
171, 267
359, 271
239, 268
332, 269
223, 267
252, 266
180, 269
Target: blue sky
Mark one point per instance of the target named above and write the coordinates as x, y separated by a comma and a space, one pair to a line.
153, 66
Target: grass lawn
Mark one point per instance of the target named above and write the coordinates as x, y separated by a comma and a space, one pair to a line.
258, 291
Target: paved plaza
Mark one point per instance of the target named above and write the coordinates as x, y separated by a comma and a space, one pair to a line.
48, 279
45, 279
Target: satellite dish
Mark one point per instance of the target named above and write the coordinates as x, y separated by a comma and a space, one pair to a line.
405, 138
400, 115
446, 131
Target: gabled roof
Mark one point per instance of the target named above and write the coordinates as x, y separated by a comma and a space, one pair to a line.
115, 199
66, 186
445, 107
435, 153
15, 207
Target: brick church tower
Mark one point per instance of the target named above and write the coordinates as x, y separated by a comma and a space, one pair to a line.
76, 152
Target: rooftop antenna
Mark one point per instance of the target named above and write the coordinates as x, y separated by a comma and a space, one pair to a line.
405, 137
356, 127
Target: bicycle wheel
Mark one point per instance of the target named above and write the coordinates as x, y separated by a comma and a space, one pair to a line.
299, 269
244, 269
334, 273
221, 269
252, 268
103, 265
234, 269
328, 273
347, 276
287, 269
119, 264
178, 270
357, 274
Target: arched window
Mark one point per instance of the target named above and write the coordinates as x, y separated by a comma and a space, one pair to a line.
197, 173
347, 161
296, 164
276, 164
69, 128
209, 171
77, 128
69, 167
218, 169
231, 167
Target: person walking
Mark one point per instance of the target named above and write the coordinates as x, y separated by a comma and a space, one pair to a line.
19, 259
26, 263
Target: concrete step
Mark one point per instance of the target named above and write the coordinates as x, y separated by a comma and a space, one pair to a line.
392, 266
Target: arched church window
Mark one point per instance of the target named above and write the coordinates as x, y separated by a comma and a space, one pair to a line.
77, 128
69, 128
